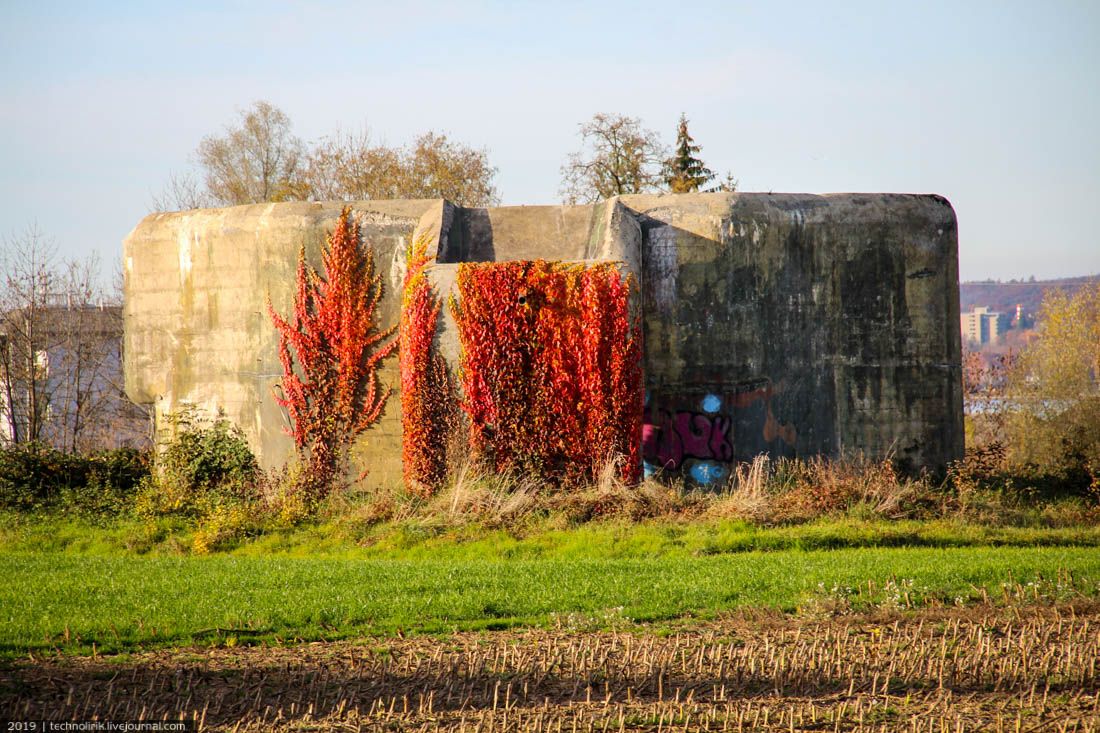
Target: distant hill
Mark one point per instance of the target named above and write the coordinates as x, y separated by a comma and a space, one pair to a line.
1003, 296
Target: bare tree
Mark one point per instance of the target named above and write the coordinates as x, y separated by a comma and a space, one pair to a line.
617, 156
85, 362
61, 358
182, 193
29, 282
259, 160
728, 184
117, 420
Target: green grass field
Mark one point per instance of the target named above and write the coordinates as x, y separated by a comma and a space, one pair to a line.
414, 539
69, 601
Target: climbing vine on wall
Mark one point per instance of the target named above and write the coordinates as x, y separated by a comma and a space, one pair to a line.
550, 368
427, 392
331, 349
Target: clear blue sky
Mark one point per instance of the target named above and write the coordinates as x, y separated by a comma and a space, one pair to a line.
994, 105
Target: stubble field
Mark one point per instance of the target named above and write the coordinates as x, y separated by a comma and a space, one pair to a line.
1022, 668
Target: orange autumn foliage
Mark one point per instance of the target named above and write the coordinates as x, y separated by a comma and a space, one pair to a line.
331, 349
427, 393
551, 367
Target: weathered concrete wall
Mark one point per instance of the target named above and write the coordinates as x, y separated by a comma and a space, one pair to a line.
797, 324
197, 332
603, 231
792, 324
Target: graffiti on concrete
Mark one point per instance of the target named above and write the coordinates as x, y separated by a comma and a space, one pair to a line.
707, 472
696, 436
669, 437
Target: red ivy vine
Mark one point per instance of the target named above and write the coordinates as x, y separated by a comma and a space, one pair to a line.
427, 392
331, 350
551, 367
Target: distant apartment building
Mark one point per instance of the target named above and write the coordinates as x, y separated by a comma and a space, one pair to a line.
982, 326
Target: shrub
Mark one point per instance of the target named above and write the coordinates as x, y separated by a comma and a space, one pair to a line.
209, 457
36, 476
112, 480
120, 469
201, 466
1059, 449
1053, 429
33, 475
225, 525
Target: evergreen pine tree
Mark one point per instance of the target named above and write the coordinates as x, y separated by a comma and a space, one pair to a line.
684, 172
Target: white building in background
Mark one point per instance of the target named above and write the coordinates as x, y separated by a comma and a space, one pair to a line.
982, 326
76, 371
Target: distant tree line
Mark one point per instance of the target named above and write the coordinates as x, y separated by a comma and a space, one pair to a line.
258, 158
1005, 296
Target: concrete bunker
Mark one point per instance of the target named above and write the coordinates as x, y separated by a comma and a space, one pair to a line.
787, 324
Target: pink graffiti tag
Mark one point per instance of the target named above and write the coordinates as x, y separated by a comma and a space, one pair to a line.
668, 438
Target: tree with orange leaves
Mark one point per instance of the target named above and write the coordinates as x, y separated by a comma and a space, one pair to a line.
331, 349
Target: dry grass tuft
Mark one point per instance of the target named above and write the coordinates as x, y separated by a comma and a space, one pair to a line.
747, 496
492, 499
795, 490
764, 492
